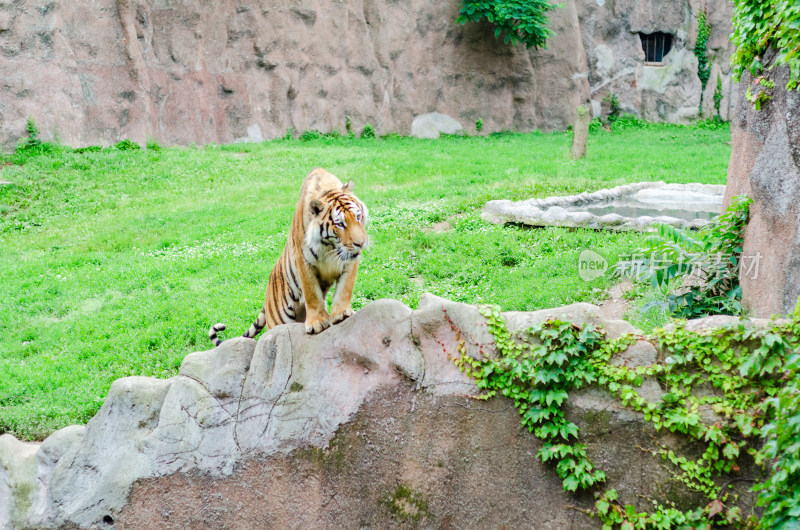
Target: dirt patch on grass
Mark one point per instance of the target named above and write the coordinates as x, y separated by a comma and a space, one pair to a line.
615, 306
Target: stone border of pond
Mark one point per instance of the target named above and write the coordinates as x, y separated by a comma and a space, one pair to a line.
552, 211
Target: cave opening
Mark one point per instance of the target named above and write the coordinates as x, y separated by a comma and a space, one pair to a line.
656, 46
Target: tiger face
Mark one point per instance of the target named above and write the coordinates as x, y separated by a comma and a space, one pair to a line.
338, 229
350, 233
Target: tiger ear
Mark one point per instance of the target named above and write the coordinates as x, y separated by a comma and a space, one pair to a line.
316, 207
349, 186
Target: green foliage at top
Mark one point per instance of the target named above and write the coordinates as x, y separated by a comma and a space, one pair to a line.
712, 256
762, 24
738, 371
516, 21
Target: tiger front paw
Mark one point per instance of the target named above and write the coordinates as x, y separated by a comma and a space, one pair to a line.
317, 325
338, 316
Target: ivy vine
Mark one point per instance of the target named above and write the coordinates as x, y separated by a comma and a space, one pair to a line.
516, 21
718, 96
748, 368
759, 25
701, 52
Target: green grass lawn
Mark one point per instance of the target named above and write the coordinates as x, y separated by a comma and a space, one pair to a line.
115, 263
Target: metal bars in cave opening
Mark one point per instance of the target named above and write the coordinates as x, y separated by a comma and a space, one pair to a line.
656, 46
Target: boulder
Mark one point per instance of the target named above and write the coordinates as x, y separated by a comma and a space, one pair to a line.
368, 424
434, 124
765, 165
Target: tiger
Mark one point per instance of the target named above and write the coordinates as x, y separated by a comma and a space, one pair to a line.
324, 247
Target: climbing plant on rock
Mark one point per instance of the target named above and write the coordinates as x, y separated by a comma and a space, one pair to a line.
745, 375
701, 52
761, 25
516, 21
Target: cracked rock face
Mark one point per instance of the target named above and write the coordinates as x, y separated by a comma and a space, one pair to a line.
366, 424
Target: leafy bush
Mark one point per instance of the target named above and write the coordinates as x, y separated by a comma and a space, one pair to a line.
629, 121
780, 493
368, 132
127, 145
152, 145
711, 124
33, 146
479, 125
88, 149
613, 107
348, 125
517, 21
33, 140
712, 258
310, 134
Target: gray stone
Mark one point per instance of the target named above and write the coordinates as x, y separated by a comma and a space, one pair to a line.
434, 124
641, 353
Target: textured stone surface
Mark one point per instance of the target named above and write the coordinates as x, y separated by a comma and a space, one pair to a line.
318, 431
435, 124
671, 92
183, 72
765, 165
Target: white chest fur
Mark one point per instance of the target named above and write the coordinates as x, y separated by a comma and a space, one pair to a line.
329, 265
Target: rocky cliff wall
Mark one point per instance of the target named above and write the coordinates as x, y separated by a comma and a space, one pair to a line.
192, 71
765, 165
670, 92
183, 72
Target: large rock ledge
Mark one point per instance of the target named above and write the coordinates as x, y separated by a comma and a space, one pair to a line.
368, 424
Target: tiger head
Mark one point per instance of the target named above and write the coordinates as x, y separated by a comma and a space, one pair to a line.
339, 223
